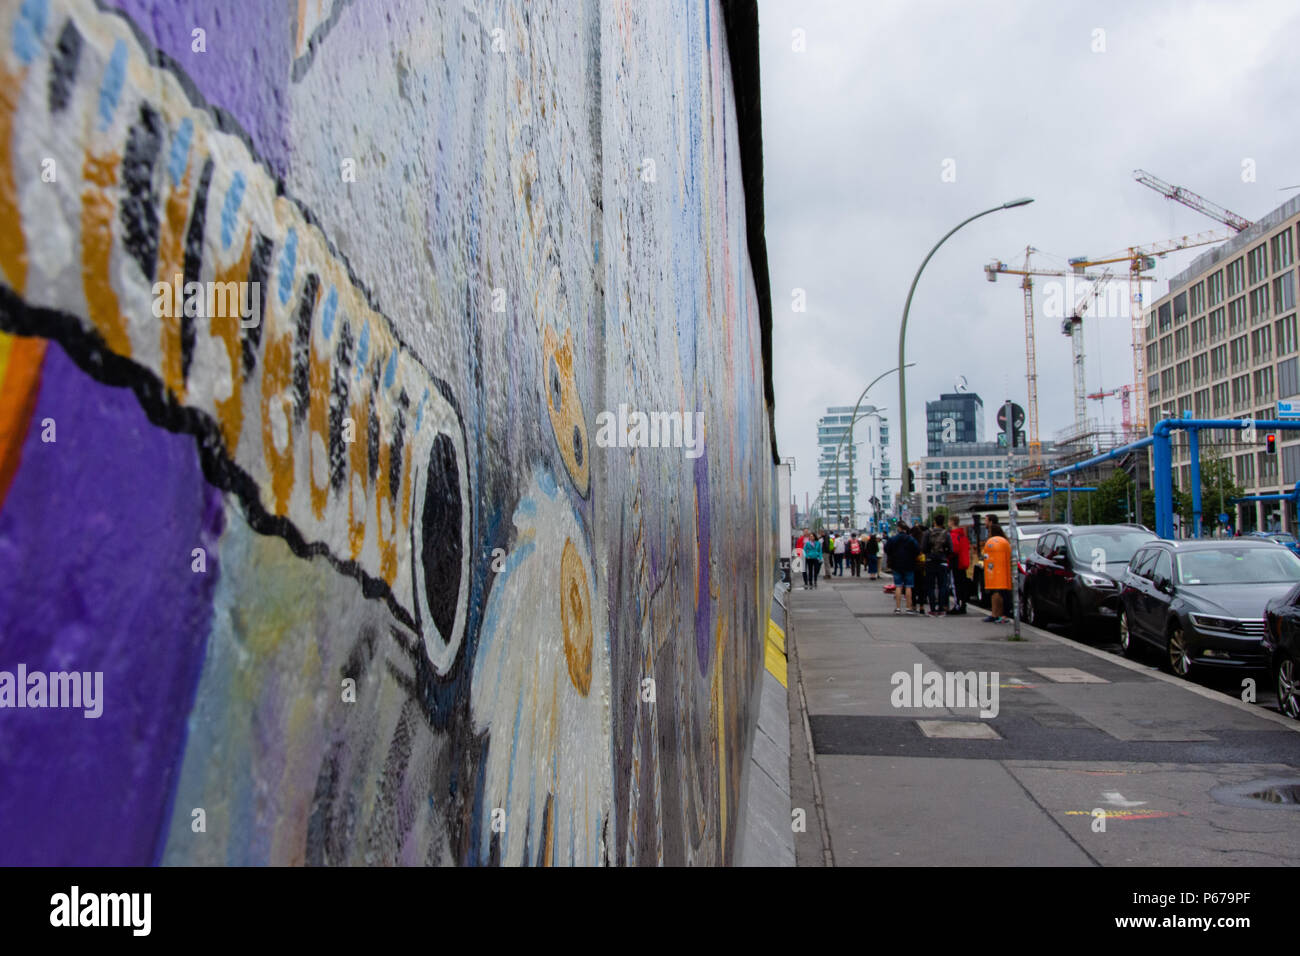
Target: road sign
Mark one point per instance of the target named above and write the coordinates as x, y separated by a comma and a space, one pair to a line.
1223, 517
1288, 411
1017, 417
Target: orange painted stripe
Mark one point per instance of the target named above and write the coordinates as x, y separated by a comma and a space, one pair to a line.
20, 378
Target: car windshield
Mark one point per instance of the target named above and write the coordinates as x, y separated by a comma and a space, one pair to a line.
1028, 544
1283, 538
1111, 546
1238, 566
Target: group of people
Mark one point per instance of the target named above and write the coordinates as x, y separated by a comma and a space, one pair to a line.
837, 551
932, 566
929, 566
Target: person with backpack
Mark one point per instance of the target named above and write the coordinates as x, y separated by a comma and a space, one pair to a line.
960, 565
902, 551
797, 562
873, 558
919, 591
938, 556
855, 554
841, 546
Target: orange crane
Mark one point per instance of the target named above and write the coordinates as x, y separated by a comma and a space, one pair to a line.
992, 271
1124, 391
1142, 259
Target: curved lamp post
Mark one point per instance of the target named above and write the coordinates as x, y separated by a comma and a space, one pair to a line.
902, 329
853, 420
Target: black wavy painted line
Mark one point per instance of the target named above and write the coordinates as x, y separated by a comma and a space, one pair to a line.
304, 62
88, 350
226, 123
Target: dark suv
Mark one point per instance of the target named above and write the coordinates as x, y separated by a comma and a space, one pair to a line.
1203, 602
1073, 575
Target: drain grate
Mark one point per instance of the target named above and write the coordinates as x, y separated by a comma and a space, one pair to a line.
1260, 794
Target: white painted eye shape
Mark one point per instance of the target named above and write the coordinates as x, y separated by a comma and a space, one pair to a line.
440, 535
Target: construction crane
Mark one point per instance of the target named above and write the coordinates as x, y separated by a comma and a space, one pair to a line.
1123, 391
1142, 259
1073, 327
992, 271
1192, 200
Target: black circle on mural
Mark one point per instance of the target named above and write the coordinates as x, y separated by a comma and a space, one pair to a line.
577, 445
441, 550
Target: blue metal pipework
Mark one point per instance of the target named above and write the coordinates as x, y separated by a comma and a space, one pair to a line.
1119, 452
1291, 496
1163, 460
1194, 450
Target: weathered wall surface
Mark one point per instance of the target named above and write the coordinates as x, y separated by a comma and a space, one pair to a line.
473, 227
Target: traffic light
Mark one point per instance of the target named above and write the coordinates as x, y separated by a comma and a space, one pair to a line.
911, 480
943, 478
1270, 444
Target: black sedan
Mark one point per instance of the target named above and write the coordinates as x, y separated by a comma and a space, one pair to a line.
1202, 602
1072, 577
1282, 646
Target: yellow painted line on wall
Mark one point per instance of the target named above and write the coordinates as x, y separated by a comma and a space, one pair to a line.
774, 652
776, 635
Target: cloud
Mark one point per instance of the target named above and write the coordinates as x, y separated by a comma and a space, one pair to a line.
857, 128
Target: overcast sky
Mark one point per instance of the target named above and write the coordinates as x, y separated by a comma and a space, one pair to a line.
856, 131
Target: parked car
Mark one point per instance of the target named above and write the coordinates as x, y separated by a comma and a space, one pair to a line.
1202, 602
1073, 575
1282, 647
1281, 537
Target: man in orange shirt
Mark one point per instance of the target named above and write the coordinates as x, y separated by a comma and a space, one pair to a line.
997, 570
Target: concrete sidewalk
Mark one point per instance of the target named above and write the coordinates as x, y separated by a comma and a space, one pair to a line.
1091, 759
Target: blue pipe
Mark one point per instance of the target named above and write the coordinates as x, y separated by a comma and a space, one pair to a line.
1194, 451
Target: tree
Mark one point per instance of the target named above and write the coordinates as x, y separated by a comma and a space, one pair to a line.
1218, 487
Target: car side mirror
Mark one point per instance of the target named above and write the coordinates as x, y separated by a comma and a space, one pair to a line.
1162, 584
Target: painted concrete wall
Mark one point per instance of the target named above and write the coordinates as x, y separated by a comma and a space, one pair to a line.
363, 584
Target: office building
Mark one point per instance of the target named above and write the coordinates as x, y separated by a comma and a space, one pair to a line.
956, 418
853, 465
972, 469
1222, 343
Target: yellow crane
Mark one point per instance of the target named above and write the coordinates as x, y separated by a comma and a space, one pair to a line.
991, 271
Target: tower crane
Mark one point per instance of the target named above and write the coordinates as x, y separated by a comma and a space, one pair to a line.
1192, 200
1142, 259
1073, 327
992, 271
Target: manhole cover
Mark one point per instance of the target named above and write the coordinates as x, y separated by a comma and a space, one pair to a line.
1283, 793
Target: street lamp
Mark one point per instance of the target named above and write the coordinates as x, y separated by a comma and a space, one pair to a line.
854, 417
902, 329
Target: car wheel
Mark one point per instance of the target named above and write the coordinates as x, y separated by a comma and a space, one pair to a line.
1287, 679
1178, 657
1030, 611
1127, 643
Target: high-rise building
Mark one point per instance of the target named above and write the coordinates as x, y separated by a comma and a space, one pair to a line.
853, 465
954, 418
1223, 343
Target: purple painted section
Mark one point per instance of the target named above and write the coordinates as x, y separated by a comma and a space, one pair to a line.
95, 575
704, 610
247, 65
